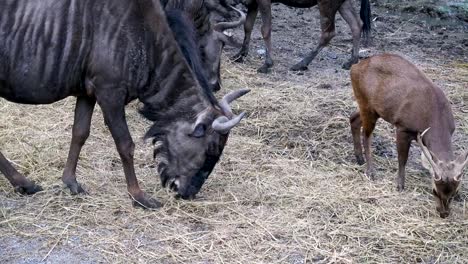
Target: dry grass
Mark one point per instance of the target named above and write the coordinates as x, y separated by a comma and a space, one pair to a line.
287, 189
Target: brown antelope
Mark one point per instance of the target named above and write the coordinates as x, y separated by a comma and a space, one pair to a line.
392, 88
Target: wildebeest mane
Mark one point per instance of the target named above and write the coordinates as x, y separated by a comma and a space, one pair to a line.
185, 36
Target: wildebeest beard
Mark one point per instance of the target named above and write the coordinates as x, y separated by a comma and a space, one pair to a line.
162, 155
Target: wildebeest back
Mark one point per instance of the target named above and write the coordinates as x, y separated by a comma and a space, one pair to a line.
48, 47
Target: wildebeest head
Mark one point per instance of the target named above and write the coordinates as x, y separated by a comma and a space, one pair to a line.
212, 45
446, 176
188, 150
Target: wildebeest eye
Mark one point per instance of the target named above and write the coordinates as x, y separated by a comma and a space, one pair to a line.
199, 131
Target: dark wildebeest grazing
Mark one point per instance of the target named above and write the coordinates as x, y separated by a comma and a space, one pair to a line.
392, 88
113, 52
327, 8
210, 37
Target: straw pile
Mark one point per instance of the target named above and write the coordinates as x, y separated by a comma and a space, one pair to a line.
287, 189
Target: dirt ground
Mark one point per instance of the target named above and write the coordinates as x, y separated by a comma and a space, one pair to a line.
287, 189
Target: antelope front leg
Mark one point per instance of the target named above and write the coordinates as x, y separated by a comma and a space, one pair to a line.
114, 116
403, 146
81, 126
356, 124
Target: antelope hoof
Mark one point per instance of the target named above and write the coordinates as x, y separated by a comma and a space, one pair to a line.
371, 174
299, 67
28, 189
347, 65
360, 160
144, 201
400, 187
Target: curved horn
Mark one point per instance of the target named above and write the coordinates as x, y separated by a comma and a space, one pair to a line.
223, 125
429, 155
221, 26
229, 98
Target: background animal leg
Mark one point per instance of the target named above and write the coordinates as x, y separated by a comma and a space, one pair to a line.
114, 116
265, 11
328, 32
81, 126
403, 146
19, 182
349, 15
252, 11
356, 124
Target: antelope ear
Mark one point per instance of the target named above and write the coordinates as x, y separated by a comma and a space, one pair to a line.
426, 164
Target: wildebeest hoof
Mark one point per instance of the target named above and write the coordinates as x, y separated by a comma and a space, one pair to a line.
299, 67
348, 64
238, 58
263, 69
76, 188
145, 202
28, 189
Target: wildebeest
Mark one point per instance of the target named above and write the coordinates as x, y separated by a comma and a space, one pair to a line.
209, 35
392, 88
327, 8
113, 52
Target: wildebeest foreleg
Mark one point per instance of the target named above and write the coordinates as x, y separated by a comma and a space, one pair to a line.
19, 182
114, 116
248, 27
349, 14
83, 113
265, 11
327, 23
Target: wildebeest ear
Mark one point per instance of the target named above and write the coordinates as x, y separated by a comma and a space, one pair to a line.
229, 40
199, 131
154, 132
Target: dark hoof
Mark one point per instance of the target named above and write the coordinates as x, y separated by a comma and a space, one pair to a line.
360, 160
400, 187
299, 67
28, 189
238, 58
263, 69
76, 188
145, 202
371, 174
348, 64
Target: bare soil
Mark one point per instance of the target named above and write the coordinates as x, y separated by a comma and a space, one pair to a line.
287, 189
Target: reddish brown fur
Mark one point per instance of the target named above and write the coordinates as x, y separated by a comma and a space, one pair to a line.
389, 87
